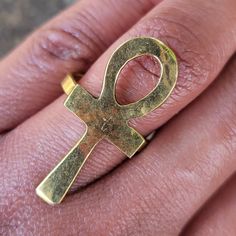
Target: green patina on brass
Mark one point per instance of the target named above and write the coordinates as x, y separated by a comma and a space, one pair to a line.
105, 118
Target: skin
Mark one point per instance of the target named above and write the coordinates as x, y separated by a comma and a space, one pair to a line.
178, 183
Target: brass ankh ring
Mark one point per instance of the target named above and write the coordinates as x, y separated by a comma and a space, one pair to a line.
105, 117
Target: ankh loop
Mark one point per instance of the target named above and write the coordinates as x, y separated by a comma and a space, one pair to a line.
105, 117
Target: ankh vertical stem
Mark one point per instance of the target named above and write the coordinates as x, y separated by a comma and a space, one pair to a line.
57, 183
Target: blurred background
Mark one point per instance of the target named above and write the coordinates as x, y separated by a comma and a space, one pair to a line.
20, 17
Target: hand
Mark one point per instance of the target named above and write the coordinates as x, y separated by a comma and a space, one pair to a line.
191, 157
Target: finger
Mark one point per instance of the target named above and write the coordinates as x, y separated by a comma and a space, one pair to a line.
30, 76
158, 191
218, 216
51, 133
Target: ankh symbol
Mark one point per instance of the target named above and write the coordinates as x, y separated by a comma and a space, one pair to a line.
105, 117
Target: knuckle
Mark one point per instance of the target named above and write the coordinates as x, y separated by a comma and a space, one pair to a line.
56, 44
190, 48
67, 41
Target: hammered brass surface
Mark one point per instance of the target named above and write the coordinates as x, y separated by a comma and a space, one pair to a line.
105, 117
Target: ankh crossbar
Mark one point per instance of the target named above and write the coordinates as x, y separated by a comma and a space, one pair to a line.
105, 117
